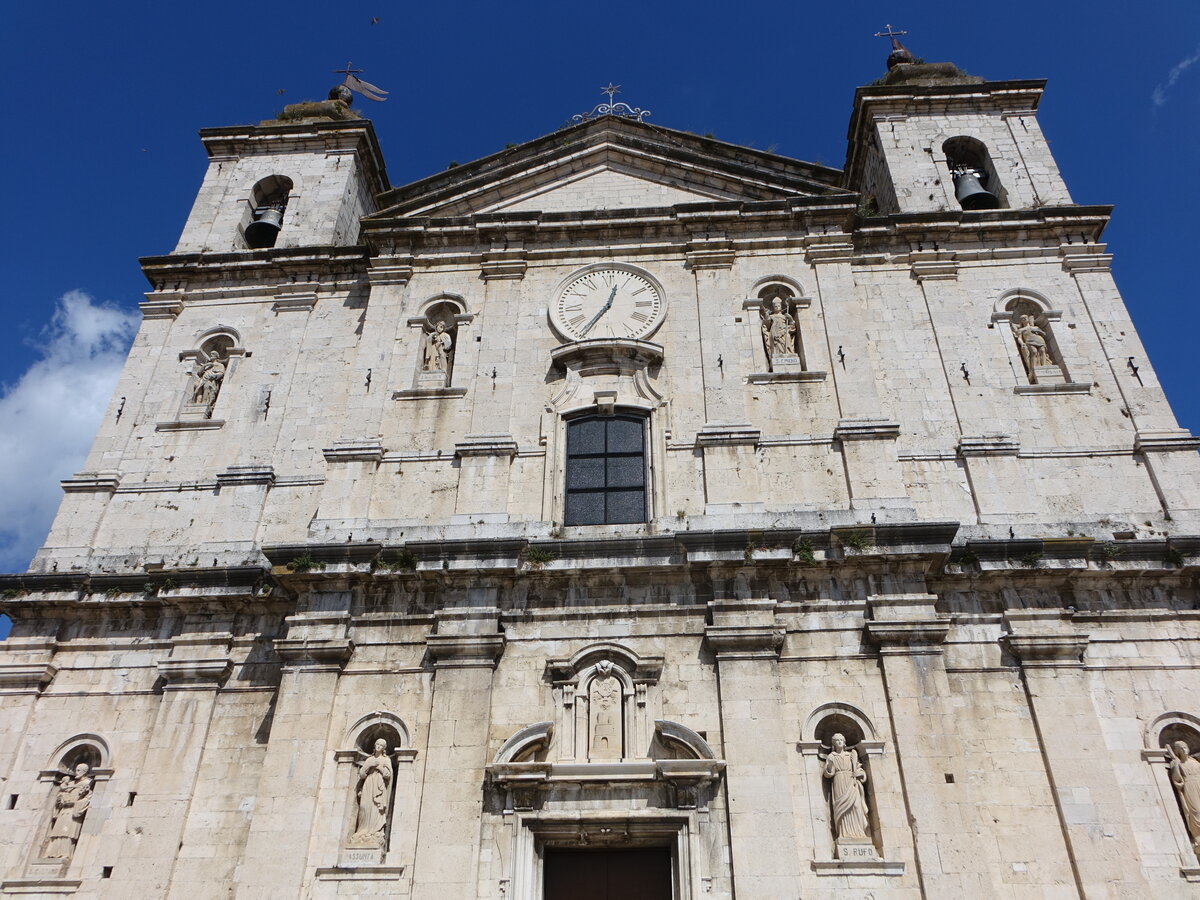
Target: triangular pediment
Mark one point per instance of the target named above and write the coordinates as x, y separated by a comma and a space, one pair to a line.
608, 164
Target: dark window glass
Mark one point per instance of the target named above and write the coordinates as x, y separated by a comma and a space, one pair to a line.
606, 470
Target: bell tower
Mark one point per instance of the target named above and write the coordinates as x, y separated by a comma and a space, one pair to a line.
928, 137
303, 179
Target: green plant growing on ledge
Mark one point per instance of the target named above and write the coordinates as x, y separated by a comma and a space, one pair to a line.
802, 550
536, 557
1106, 553
966, 558
1031, 559
748, 553
858, 541
1174, 557
112, 592
304, 563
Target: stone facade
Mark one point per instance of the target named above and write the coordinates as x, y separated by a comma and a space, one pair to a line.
317, 619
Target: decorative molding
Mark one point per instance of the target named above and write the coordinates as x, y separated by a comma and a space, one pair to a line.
360, 873
988, 445
1053, 650
168, 307
866, 429
363, 450
194, 674
728, 436
828, 247
40, 886
400, 273
239, 475
486, 445
933, 265
325, 651
300, 301
26, 678
715, 252
91, 483
1176, 440
908, 636
1077, 258
756, 303
531, 737
786, 377
459, 651
606, 356
745, 641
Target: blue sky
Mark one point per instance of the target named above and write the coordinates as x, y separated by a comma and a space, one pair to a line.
102, 159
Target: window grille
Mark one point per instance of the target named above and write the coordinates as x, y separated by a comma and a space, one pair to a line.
606, 470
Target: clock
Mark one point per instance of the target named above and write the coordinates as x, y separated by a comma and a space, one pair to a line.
608, 301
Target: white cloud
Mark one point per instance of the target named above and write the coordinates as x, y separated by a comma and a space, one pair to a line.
1160, 93
49, 417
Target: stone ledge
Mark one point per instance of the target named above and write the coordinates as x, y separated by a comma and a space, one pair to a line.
194, 674
329, 651
302, 301
91, 482
1165, 441
866, 430
1066, 387
360, 873
190, 425
436, 393
40, 886
745, 642
486, 445
786, 377
988, 445
165, 308
366, 450
915, 634
1048, 650
727, 436
858, 867
237, 475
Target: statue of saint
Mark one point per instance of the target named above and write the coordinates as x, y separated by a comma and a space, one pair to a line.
71, 804
437, 350
848, 797
1031, 341
206, 382
374, 795
1185, 775
779, 331
605, 699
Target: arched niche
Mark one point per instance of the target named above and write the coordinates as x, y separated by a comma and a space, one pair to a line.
1030, 319
828, 779
86, 748
438, 328
1172, 742
976, 184
213, 358
75, 768
374, 783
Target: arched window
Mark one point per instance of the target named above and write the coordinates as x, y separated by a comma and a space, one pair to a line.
268, 201
976, 185
606, 470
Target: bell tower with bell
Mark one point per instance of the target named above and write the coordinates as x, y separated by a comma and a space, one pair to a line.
302, 179
929, 137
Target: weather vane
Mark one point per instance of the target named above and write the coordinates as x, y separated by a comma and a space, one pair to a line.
353, 83
624, 110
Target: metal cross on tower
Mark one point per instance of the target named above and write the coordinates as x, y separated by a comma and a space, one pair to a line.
889, 33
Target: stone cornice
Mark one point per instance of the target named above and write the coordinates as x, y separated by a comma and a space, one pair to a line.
335, 652
1049, 650
458, 651
731, 642
194, 674
25, 678
908, 636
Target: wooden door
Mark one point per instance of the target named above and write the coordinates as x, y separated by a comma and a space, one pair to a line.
643, 873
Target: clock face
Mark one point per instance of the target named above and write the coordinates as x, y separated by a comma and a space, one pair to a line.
608, 302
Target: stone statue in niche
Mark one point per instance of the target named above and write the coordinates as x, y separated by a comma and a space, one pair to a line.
71, 802
1032, 342
779, 333
207, 377
438, 347
374, 796
604, 698
1185, 775
847, 794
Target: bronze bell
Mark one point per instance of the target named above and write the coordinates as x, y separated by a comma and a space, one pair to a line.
265, 227
971, 194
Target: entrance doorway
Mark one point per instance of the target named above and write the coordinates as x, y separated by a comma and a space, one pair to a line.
642, 873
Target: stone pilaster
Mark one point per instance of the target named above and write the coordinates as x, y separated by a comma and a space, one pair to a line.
314, 653
763, 833
464, 651
1095, 821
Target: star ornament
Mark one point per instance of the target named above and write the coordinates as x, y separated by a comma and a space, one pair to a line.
610, 89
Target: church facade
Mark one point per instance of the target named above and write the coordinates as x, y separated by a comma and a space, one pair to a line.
625, 514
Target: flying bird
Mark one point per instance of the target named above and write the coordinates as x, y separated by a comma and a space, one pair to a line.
281, 91
374, 20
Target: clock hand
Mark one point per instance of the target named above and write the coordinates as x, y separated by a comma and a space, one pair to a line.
605, 308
